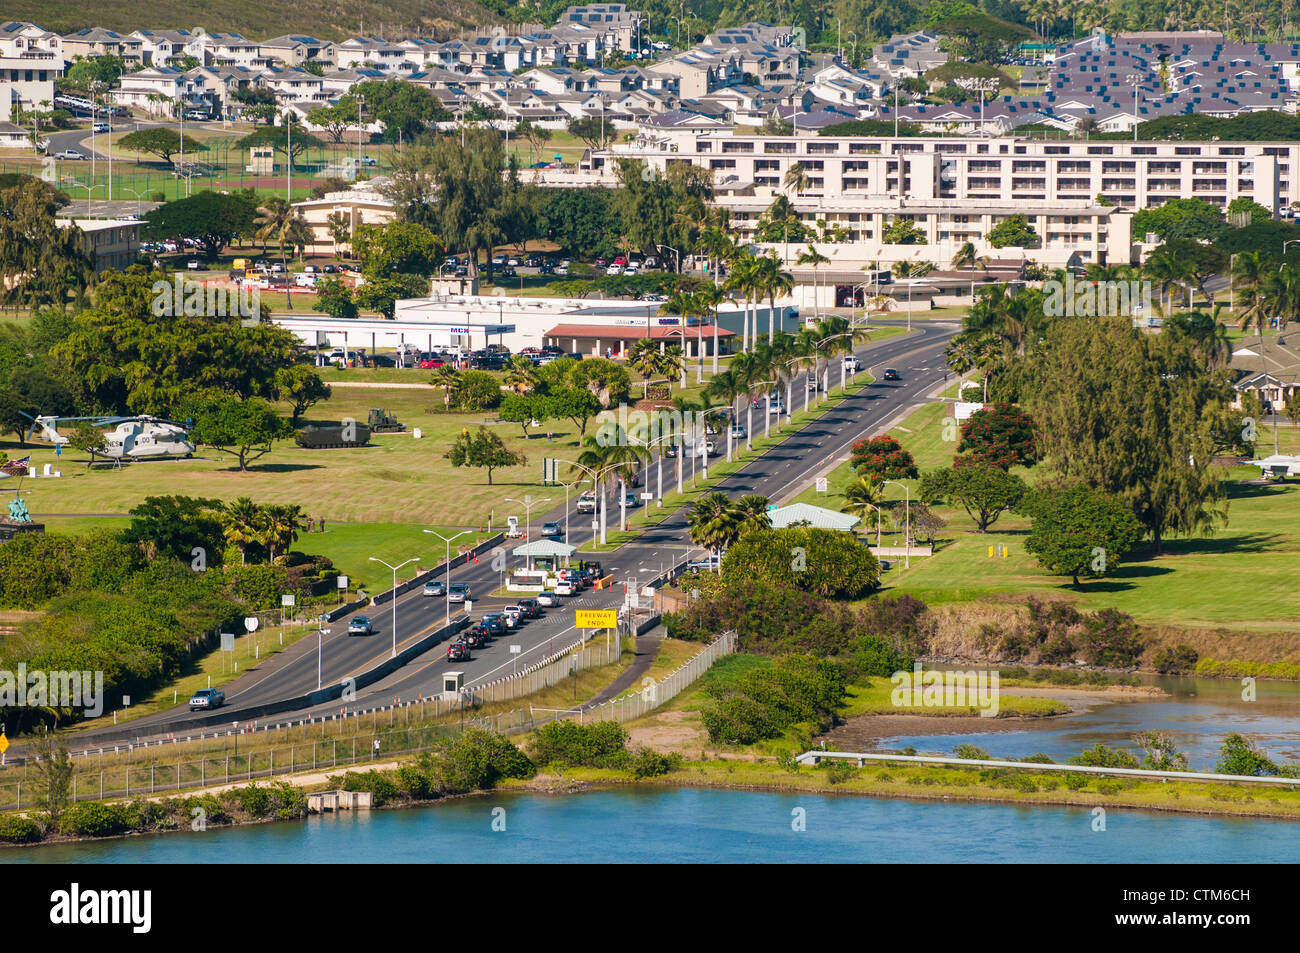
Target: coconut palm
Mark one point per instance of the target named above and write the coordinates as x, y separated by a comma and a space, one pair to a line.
712, 523
521, 375
771, 281
448, 379
242, 525
743, 283
863, 496
340, 229
610, 457
280, 222
1168, 271
726, 387
644, 358
708, 298
816, 259
281, 528
751, 512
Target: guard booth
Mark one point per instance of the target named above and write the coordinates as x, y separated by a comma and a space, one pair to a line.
452, 683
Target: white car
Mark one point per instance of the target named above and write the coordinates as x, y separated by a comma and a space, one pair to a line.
614, 270
564, 589
548, 599
852, 364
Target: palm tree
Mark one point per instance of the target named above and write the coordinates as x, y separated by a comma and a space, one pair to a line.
281, 528
1168, 271
688, 304
521, 375
708, 298
672, 364
279, 222
973, 349
644, 357
712, 523
611, 457
863, 496
1281, 293
815, 258
727, 386
447, 378
771, 281
743, 281
967, 257
242, 524
340, 229
751, 512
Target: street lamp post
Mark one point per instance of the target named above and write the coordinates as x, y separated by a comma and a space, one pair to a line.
907, 523
527, 503
376, 559
447, 540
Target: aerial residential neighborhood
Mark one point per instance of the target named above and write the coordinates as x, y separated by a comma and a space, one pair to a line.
651, 433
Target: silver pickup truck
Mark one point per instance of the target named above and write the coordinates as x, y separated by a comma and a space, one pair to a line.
205, 699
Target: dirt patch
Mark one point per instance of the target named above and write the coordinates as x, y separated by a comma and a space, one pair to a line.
671, 732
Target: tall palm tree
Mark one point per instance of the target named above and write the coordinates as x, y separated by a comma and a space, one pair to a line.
644, 358
448, 379
712, 523
281, 528
521, 376
279, 222
615, 456
772, 281
242, 525
752, 513
816, 259
743, 281
708, 298
726, 387
863, 496
1168, 271
672, 364
340, 229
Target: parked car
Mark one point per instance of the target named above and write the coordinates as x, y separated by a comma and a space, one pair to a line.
891, 374
458, 652
360, 625
206, 699
194, 264
552, 531
458, 592
435, 587
498, 260
562, 270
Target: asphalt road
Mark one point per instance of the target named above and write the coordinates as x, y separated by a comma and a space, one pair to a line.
779, 473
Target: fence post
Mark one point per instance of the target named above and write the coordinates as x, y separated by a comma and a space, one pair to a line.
151, 777
227, 769
128, 780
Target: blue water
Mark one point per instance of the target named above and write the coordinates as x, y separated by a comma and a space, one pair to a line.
1198, 713
653, 825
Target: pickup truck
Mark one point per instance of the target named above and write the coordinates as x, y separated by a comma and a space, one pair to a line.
587, 503
205, 699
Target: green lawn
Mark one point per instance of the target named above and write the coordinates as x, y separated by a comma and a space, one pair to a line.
1242, 577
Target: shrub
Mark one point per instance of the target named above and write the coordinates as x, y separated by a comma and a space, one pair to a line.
766, 701
838, 772
648, 763
1100, 756
414, 783
474, 760
971, 753
599, 745
1075, 782
379, 784
16, 829
95, 819
1112, 639
1175, 659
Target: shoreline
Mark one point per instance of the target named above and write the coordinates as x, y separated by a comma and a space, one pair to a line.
883, 780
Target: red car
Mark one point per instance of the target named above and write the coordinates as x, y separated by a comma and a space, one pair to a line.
431, 362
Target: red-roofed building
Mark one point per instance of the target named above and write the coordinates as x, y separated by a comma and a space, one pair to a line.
596, 339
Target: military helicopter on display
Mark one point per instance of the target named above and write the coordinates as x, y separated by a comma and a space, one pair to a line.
134, 438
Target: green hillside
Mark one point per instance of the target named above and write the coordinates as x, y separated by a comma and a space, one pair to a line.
327, 19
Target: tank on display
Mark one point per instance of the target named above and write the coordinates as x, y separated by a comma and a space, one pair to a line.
381, 421
315, 437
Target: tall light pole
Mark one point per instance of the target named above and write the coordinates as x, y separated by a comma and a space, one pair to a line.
1135, 79
590, 475
527, 503
447, 540
907, 524
320, 641
376, 559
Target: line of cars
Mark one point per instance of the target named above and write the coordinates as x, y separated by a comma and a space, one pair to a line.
492, 625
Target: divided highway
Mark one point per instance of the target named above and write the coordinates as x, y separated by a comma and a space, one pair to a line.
781, 472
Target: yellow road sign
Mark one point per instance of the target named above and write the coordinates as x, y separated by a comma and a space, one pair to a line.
4, 744
595, 618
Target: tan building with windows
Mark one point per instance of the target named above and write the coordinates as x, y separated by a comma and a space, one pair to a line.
110, 243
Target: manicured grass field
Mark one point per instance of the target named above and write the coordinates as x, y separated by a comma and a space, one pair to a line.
1242, 577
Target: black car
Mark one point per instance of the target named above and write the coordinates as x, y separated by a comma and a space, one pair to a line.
458, 652
892, 375
475, 636
532, 609
493, 623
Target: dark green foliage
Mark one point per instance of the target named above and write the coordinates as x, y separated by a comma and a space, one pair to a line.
649, 763
1175, 660
475, 760
380, 784
1100, 756
824, 562
567, 743
17, 829
214, 218
766, 701
96, 819
1077, 531
1240, 755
